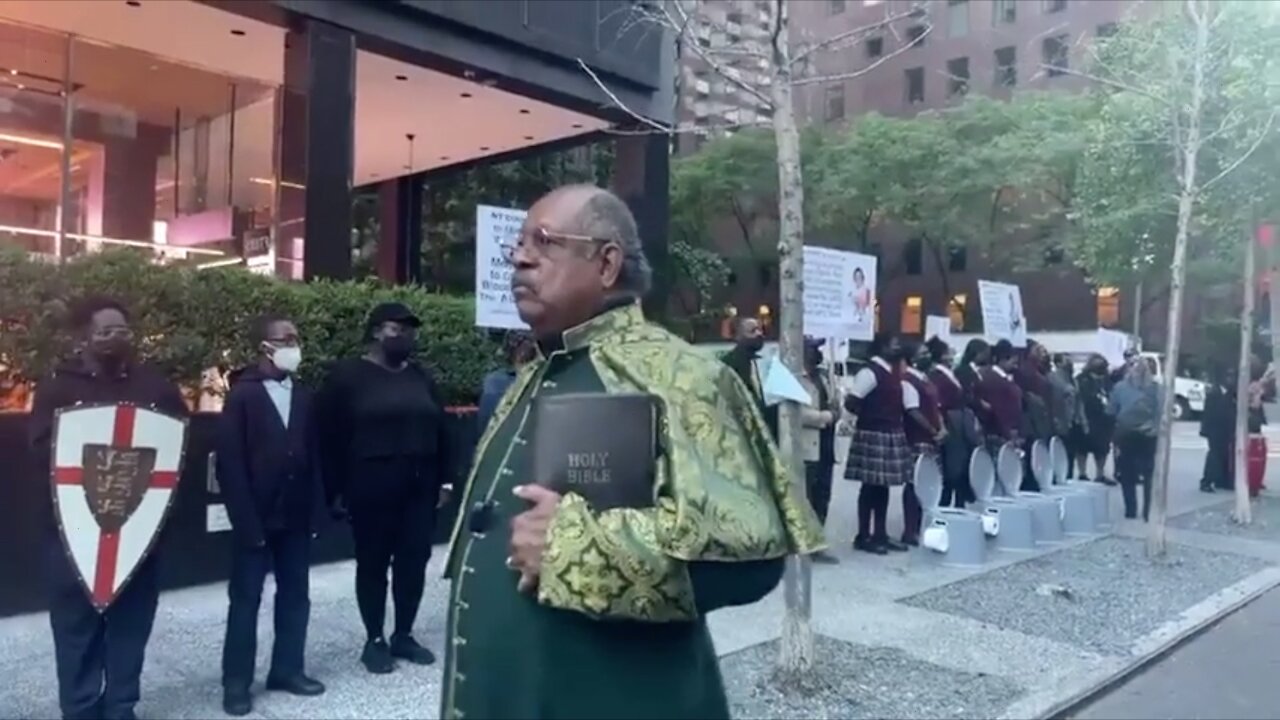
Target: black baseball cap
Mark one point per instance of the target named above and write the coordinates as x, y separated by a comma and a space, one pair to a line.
393, 312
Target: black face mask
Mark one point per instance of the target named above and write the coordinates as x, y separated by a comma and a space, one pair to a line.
753, 345
113, 353
397, 348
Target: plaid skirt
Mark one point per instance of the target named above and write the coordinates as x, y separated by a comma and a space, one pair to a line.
879, 458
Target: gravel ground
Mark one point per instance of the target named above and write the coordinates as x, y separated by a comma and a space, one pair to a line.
856, 682
1103, 595
1216, 519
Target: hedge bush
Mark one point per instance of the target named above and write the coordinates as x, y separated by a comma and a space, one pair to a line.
189, 320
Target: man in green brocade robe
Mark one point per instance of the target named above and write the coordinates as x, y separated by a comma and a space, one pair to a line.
558, 611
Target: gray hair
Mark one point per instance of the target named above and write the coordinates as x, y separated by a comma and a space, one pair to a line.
605, 215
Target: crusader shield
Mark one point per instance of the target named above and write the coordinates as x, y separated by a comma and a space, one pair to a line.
115, 473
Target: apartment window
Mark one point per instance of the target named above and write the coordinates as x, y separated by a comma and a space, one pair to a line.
915, 36
957, 18
734, 16
1054, 6
912, 315
957, 77
1108, 307
875, 47
1053, 51
834, 102
1106, 30
869, 3
956, 310
957, 259
835, 7
1007, 66
913, 256
1004, 11
915, 85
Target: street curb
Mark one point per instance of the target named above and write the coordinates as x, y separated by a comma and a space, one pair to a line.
1262, 582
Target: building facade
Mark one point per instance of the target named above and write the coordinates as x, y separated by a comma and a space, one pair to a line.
233, 132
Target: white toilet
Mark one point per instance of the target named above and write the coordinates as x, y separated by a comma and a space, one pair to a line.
1012, 516
1101, 494
953, 536
1076, 503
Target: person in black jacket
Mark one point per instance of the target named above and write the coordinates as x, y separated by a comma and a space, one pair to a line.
385, 458
99, 656
748, 341
268, 472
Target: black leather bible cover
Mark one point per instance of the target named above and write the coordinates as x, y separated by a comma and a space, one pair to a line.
601, 446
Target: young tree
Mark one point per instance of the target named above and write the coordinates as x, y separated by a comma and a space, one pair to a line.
1186, 103
783, 63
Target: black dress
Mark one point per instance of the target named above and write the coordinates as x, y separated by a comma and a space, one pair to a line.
1094, 391
384, 454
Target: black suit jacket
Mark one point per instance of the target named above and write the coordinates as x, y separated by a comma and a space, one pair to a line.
268, 474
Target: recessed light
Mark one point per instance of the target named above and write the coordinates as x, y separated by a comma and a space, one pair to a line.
528, 137
484, 148
576, 126
466, 95
524, 111
133, 3
444, 157
238, 33
402, 78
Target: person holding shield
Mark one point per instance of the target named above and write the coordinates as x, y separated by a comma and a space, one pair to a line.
98, 653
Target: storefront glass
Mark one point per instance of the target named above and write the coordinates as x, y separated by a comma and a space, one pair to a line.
174, 160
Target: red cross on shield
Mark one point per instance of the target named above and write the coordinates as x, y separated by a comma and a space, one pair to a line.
115, 474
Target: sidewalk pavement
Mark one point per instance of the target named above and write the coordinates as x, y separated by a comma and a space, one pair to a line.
899, 636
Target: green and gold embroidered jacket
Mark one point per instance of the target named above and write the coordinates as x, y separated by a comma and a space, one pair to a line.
616, 596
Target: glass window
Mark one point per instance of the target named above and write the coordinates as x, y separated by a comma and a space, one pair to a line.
957, 77
1108, 307
914, 85
956, 310
32, 82
916, 36
875, 47
913, 256
834, 102
912, 316
957, 18
1055, 52
1004, 11
1006, 66
1055, 6
835, 7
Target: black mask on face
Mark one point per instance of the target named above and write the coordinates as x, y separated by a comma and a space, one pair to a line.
397, 348
752, 344
111, 352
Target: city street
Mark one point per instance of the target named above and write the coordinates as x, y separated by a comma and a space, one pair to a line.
1229, 672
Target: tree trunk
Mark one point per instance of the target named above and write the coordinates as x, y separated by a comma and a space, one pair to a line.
1244, 370
1273, 294
1189, 148
796, 654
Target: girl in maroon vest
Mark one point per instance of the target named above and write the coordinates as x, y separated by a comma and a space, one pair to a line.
925, 432
999, 391
879, 456
955, 405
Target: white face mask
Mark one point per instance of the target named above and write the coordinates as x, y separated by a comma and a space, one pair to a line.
287, 358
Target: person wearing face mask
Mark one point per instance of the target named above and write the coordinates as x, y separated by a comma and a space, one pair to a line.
747, 344
98, 655
1095, 389
268, 471
384, 461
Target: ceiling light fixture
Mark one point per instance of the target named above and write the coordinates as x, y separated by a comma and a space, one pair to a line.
269, 181
576, 126
238, 33
444, 157
524, 111
132, 3
33, 142
528, 137
466, 95
402, 78
410, 137
484, 148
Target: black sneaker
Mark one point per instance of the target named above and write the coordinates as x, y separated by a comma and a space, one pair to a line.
865, 544
893, 545
406, 648
377, 657
1207, 488
911, 540
1106, 481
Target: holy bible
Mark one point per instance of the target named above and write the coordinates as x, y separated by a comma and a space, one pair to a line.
602, 447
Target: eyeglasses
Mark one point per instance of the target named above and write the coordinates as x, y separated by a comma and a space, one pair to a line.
542, 242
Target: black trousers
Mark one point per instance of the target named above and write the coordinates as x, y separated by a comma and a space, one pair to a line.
1135, 465
99, 656
873, 512
1217, 465
817, 477
393, 520
288, 556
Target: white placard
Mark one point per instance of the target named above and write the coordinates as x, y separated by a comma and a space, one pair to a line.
839, 294
495, 307
216, 519
1002, 316
780, 384
938, 326
1112, 345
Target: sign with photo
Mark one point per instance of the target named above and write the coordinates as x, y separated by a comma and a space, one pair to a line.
839, 294
495, 306
1002, 316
